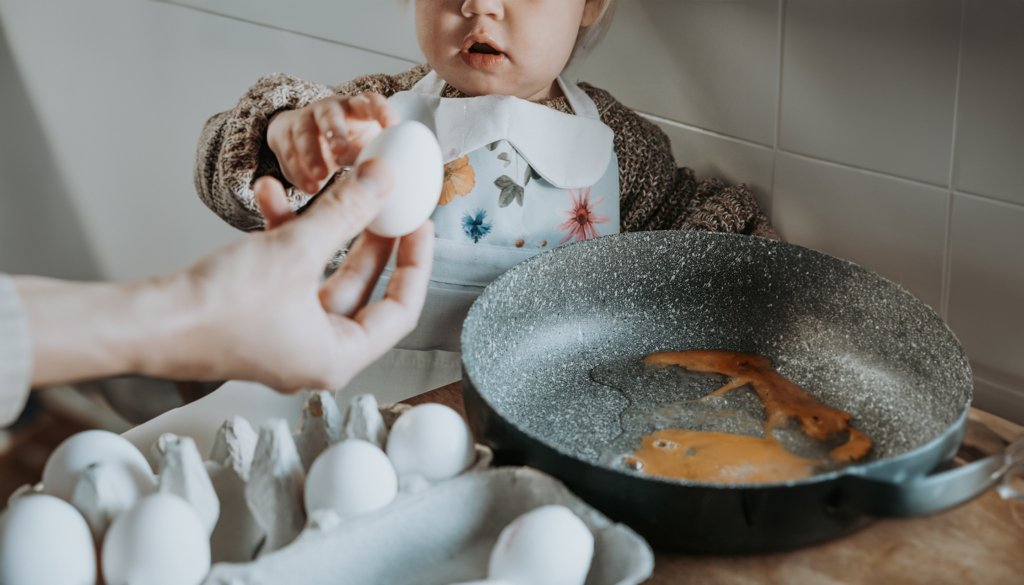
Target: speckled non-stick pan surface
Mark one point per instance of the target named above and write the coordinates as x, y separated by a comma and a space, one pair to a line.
554, 346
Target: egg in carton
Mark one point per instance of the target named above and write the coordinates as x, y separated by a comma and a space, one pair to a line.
272, 482
427, 520
510, 525
247, 499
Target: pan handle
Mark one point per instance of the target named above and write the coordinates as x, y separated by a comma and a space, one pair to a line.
1013, 478
938, 491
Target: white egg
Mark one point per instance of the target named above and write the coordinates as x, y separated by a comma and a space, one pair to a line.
415, 158
430, 441
81, 450
44, 539
549, 545
352, 478
103, 492
160, 541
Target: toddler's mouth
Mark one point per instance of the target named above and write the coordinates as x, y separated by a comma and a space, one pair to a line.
484, 49
479, 52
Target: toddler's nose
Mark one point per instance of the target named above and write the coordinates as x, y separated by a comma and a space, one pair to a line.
493, 8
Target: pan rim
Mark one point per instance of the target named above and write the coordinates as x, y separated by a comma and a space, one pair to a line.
874, 469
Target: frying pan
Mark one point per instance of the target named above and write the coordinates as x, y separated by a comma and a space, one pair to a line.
553, 378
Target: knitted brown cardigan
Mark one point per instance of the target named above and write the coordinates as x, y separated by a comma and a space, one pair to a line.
654, 193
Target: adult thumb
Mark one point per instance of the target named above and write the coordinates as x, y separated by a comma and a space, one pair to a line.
346, 207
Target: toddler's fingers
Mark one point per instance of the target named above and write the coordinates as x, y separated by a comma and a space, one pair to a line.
272, 202
350, 287
371, 106
330, 120
306, 137
291, 168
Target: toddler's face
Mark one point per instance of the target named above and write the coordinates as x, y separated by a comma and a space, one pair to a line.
504, 47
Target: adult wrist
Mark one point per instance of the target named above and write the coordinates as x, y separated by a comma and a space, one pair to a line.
166, 318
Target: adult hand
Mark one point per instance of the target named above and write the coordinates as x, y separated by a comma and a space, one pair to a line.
256, 310
267, 316
313, 142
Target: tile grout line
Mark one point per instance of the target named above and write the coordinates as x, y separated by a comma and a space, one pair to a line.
989, 199
778, 106
823, 161
867, 171
947, 252
283, 29
700, 130
660, 119
999, 385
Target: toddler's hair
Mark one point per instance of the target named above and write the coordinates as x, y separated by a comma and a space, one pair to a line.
591, 35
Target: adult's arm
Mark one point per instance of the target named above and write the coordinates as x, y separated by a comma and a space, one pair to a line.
255, 310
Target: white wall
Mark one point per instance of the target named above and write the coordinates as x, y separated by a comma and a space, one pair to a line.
887, 133
122, 88
40, 231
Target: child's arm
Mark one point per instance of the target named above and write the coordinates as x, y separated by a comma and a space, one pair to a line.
233, 150
655, 194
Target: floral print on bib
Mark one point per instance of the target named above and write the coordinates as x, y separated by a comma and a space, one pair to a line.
493, 196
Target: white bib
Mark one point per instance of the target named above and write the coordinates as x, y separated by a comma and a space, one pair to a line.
520, 178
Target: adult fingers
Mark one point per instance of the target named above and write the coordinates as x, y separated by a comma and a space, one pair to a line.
393, 317
272, 202
343, 209
350, 287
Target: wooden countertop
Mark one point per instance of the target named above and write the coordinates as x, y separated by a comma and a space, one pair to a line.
980, 542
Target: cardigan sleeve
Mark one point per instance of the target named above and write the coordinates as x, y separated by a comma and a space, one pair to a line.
658, 195
232, 151
15, 353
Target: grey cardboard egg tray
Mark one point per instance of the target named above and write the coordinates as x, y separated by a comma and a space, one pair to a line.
249, 495
438, 535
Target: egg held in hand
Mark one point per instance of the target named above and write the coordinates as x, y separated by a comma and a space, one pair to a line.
430, 441
351, 478
414, 156
159, 541
44, 539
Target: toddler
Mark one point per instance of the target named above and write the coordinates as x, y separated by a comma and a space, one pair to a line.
532, 161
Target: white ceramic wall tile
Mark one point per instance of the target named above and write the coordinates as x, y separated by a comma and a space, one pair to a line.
732, 161
990, 144
712, 65
123, 105
384, 26
892, 226
872, 83
987, 284
40, 230
185, 64
1005, 402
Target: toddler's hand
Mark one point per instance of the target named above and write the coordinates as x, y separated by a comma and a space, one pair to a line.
313, 143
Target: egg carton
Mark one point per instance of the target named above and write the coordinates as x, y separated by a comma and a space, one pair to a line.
249, 497
430, 534
441, 535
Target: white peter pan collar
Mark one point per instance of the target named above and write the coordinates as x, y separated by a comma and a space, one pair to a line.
569, 151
